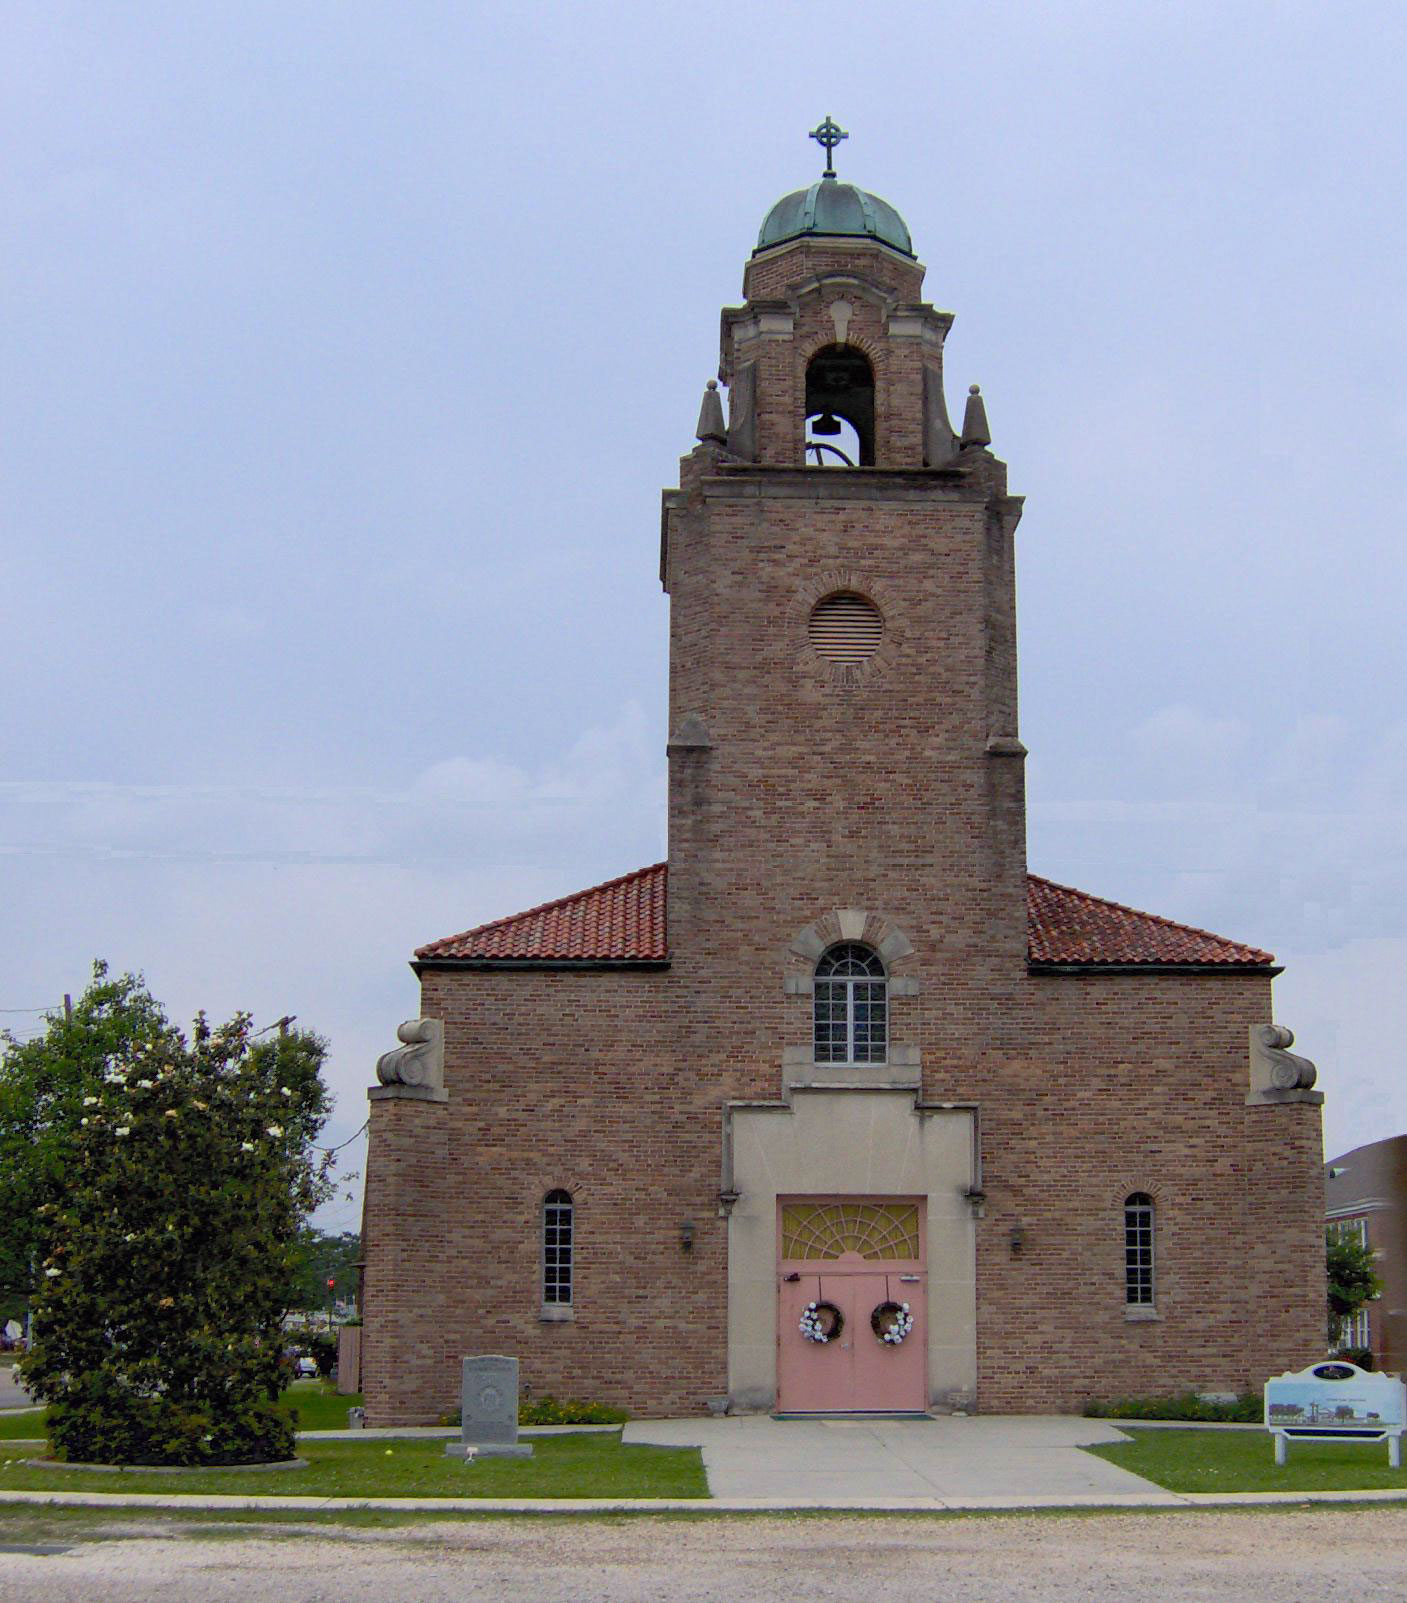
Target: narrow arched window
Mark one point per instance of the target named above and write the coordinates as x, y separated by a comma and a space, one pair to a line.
850, 1006
1138, 1249
557, 1229
839, 408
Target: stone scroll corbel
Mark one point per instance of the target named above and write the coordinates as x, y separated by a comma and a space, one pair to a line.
940, 443
417, 1069
742, 412
1277, 1074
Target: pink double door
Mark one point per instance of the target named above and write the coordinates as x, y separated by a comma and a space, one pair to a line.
855, 1370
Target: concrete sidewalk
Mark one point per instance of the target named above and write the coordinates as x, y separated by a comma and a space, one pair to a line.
12, 1394
868, 1463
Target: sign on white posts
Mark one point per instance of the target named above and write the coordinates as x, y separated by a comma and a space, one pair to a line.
1337, 1401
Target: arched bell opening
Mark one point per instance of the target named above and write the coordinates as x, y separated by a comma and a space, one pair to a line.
839, 408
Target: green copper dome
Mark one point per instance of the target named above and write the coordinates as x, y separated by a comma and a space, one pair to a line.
830, 208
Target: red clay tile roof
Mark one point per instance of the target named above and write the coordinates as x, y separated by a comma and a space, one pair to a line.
1070, 927
623, 921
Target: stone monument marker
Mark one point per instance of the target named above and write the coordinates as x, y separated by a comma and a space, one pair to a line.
489, 1411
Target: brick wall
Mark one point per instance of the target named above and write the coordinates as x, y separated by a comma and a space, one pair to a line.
1103, 1086
878, 794
875, 282
1373, 1186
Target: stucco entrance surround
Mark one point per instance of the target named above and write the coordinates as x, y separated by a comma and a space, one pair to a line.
863, 1144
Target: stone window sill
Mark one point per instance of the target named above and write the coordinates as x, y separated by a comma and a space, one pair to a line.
903, 1071
556, 1313
861, 1077
1140, 1313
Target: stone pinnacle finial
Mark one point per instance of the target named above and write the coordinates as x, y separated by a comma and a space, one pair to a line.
828, 135
974, 419
711, 426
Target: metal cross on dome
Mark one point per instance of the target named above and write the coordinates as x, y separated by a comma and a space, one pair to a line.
828, 136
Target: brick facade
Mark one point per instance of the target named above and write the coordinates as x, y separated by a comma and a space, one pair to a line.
894, 786
1367, 1188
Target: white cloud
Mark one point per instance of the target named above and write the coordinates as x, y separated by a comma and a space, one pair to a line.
1183, 736
468, 809
310, 901
1348, 1008
1291, 836
228, 624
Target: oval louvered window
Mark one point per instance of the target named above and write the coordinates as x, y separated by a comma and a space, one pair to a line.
845, 628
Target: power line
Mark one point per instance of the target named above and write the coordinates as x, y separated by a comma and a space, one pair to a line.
330, 1150
281, 1025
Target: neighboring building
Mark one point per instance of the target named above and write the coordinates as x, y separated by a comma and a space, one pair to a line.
842, 1049
1365, 1194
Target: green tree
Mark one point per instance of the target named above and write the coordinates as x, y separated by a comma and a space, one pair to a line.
1352, 1279
165, 1180
42, 1086
323, 1257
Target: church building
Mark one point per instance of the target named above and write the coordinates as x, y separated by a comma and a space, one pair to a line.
840, 1108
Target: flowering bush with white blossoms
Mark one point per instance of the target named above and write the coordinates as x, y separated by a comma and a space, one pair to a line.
166, 1226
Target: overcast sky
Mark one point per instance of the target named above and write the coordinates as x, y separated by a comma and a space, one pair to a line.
346, 349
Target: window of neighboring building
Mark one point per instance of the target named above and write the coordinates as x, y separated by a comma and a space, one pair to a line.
557, 1249
1349, 1230
1138, 1250
1353, 1331
850, 1007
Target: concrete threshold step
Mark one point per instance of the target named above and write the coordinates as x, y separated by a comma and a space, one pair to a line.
859, 1416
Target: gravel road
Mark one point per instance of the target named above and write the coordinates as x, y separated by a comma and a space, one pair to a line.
1289, 1557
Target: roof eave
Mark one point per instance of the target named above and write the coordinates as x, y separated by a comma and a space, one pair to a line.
1231, 970
441, 965
854, 239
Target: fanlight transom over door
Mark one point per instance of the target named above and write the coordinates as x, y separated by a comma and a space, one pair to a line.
854, 1258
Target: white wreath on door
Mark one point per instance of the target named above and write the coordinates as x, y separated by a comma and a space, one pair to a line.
902, 1322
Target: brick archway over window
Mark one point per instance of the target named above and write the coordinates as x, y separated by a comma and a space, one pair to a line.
852, 924
845, 581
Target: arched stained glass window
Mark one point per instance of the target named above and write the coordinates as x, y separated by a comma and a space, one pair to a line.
850, 1006
557, 1245
1138, 1250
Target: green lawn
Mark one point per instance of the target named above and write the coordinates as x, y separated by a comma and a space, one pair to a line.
22, 1427
589, 1465
1244, 1461
318, 1404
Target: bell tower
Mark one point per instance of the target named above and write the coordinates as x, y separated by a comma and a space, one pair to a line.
843, 656
835, 338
